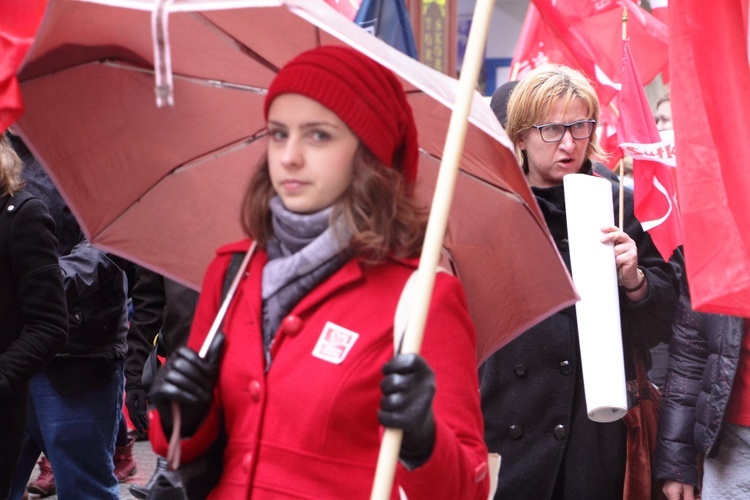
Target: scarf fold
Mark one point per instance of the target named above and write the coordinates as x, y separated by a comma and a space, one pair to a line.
304, 252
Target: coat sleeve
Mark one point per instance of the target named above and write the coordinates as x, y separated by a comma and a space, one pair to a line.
449, 346
44, 316
649, 321
676, 454
148, 306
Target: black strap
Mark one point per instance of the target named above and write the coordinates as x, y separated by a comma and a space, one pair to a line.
234, 267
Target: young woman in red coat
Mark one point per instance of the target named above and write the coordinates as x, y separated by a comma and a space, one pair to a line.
307, 377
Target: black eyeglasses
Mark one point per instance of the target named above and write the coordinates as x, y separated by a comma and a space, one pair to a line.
554, 132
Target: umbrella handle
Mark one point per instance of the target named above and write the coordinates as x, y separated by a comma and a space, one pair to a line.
227, 300
174, 450
436, 226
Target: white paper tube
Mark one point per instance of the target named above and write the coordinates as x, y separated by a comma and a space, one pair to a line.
588, 205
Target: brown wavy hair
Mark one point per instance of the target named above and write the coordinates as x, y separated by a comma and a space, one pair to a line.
378, 210
10, 168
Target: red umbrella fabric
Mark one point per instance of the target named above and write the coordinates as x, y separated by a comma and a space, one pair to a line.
162, 186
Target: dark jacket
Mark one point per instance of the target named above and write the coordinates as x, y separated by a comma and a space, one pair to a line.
532, 389
160, 306
33, 317
703, 357
95, 284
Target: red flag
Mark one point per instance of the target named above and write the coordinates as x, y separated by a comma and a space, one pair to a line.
654, 182
659, 9
710, 109
586, 35
18, 24
348, 8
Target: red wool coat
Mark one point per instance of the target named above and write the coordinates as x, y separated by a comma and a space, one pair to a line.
308, 427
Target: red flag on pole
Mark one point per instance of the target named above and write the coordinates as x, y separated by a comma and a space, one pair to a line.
653, 162
18, 24
710, 78
659, 9
348, 8
583, 34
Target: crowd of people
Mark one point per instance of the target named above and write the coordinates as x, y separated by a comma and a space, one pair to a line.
302, 377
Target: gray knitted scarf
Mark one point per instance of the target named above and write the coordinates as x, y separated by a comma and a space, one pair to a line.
304, 252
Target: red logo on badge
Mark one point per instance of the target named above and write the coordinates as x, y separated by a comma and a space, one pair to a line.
334, 343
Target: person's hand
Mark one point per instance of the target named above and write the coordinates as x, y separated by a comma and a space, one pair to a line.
189, 380
626, 260
674, 490
135, 400
408, 390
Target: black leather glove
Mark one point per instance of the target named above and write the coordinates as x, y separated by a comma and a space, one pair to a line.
135, 400
408, 390
189, 380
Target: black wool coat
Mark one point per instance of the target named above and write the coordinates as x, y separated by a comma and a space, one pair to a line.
33, 314
532, 389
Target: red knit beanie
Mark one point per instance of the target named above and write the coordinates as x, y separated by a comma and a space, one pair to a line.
363, 94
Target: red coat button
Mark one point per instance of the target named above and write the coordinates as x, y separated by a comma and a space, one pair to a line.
292, 325
255, 390
247, 462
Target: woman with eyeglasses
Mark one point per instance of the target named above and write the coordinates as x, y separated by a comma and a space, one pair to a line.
532, 389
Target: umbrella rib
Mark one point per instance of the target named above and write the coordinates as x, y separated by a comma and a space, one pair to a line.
237, 43
216, 153
191, 79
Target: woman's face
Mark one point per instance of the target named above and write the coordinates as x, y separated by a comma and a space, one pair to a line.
549, 162
664, 116
310, 153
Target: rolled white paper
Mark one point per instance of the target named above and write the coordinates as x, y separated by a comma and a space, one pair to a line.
588, 205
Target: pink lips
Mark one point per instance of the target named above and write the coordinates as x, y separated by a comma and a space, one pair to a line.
292, 185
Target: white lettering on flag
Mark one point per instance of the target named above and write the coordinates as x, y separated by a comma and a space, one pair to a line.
662, 152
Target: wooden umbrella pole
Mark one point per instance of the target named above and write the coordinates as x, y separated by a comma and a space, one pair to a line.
622, 160
436, 226
622, 192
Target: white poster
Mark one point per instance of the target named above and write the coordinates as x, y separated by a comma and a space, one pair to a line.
588, 204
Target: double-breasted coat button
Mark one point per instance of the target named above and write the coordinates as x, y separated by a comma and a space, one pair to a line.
566, 367
292, 325
515, 431
519, 370
247, 461
255, 390
560, 431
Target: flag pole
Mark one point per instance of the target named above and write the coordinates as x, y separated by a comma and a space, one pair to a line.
622, 160
436, 226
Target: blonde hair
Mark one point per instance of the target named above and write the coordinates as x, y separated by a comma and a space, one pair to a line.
533, 97
10, 168
378, 209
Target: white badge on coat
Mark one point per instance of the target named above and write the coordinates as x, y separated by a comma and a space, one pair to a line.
334, 343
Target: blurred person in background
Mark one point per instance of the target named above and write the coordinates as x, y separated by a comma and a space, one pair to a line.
33, 313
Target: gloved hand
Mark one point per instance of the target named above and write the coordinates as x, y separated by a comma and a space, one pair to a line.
135, 400
189, 380
408, 390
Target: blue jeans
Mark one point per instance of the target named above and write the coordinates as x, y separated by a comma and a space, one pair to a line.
77, 434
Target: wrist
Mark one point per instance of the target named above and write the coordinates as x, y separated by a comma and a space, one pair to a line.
641, 283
